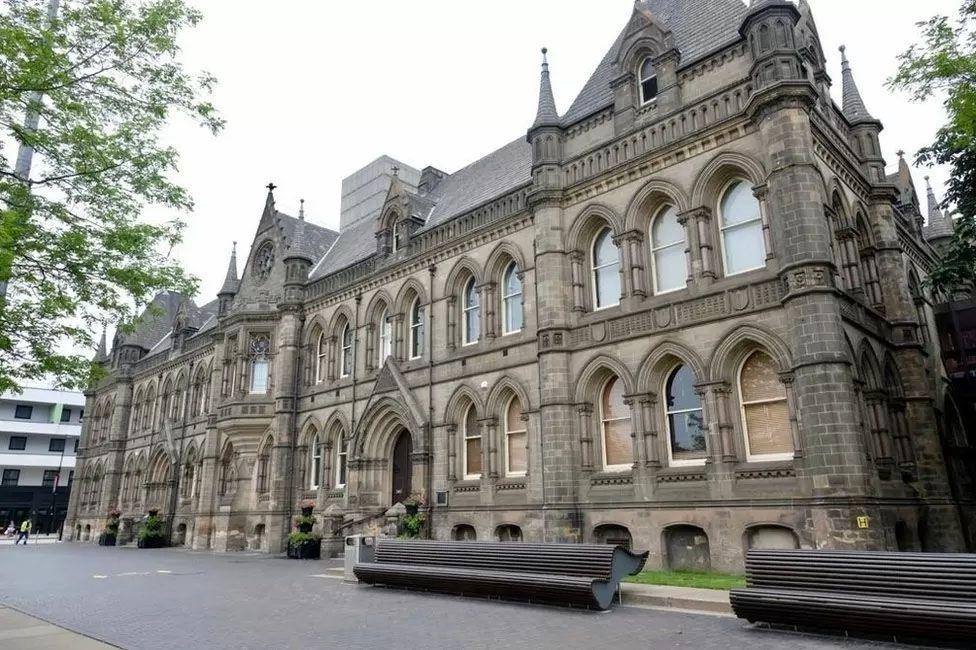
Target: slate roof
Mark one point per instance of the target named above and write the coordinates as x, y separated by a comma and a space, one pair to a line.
698, 26
303, 238
355, 243
152, 327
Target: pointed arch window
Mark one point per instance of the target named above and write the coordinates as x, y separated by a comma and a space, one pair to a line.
743, 247
685, 418
765, 415
605, 270
472, 444
386, 337
516, 461
260, 364
264, 470
615, 427
669, 264
471, 313
345, 353
321, 358
648, 81
416, 329
315, 468
342, 454
512, 300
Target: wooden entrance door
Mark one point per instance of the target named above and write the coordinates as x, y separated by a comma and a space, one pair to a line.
402, 468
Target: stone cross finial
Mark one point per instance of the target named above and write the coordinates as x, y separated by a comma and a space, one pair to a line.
271, 187
900, 153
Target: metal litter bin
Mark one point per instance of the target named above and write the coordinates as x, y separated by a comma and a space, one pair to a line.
359, 548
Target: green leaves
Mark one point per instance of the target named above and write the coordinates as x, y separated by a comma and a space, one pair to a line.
104, 77
944, 64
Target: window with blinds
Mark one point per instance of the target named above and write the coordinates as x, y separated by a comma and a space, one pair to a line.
765, 414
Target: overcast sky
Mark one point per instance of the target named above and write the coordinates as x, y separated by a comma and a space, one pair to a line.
312, 91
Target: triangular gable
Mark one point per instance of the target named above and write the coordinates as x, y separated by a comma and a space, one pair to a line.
391, 384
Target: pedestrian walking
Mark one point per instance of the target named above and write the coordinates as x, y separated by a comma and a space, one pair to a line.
10, 529
25, 529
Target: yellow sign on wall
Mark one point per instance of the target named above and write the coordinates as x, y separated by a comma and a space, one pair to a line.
862, 522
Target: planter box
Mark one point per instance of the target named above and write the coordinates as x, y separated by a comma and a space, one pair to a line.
152, 542
305, 551
106, 539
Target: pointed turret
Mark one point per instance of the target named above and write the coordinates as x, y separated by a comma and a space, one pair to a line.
230, 286
101, 354
854, 109
230, 280
546, 115
939, 228
269, 213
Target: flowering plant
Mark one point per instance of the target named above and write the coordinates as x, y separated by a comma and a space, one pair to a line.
114, 512
308, 503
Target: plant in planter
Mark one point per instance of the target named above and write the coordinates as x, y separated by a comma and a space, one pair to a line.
413, 503
303, 544
111, 532
151, 535
412, 525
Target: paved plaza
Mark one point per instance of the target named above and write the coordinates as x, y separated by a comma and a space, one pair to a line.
171, 598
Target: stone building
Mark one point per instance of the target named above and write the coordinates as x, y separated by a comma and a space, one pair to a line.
684, 314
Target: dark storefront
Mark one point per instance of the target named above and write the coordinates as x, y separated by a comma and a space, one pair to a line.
34, 501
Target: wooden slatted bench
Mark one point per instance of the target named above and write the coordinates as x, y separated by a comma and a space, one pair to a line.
909, 595
581, 575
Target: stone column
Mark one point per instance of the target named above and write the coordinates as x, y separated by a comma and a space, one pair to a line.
287, 337
452, 334
576, 260
635, 242
584, 423
626, 277
451, 452
488, 320
649, 421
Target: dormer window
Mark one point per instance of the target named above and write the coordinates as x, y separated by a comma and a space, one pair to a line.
648, 82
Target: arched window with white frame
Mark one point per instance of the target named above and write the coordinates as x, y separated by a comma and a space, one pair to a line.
765, 411
512, 318
605, 257
648, 81
516, 452
669, 262
416, 329
615, 427
685, 419
385, 346
315, 467
345, 352
471, 313
740, 219
471, 449
321, 358
260, 364
342, 455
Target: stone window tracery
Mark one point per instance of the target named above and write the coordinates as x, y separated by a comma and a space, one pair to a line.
264, 261
260, 363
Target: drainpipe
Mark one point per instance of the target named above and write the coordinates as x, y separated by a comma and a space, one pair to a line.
432, 270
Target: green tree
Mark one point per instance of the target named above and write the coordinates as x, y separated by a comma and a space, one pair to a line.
97, 81
943, 64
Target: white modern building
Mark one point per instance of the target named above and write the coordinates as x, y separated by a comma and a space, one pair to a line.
39, 433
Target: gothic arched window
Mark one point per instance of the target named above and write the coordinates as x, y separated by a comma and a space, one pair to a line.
345, 354
669, 265
765, 415
515, 439
471, 313
321, 358
472, 444
260, 364
341, 458
315, 468
743, 246
686, 424
648, 81
386, 337
511, 300
615, 429
605, 270
416, 329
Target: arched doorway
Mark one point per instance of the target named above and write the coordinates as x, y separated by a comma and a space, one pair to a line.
402, 468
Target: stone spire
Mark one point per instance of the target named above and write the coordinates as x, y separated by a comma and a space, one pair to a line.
854, 109
101, 354
230, 280
547, 115
934, 210
301, 209
268, 216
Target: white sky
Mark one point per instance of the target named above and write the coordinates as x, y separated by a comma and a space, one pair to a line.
311, 91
